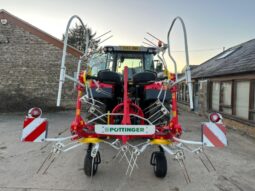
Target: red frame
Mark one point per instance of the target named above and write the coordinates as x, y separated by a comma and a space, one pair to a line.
127, 107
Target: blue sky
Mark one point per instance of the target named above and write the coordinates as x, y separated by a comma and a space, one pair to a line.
211, 24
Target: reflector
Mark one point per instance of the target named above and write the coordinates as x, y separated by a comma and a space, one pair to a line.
214, 117
35, 112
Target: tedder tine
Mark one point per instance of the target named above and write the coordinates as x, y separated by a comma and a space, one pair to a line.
208, 159
47, 158
185, 172
51, 162
204, 163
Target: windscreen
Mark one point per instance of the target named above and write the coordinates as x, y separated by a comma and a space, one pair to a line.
116, 61
132, 61
97, 62
136, 62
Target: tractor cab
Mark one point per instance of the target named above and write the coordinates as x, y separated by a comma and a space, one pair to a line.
139, 60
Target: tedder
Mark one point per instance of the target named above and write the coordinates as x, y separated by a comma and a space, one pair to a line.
125, 94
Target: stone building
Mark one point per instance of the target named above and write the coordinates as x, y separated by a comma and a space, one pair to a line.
226, 84
30, 65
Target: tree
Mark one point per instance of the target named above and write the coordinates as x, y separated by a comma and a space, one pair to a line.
77, 37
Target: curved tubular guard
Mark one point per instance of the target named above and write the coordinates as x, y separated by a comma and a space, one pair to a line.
63, 68
188, 73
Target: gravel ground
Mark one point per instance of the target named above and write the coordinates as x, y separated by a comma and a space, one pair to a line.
19, 162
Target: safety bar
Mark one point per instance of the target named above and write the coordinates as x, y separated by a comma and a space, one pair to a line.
62, 75
188, 72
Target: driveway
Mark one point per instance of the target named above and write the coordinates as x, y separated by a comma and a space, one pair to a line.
19, 162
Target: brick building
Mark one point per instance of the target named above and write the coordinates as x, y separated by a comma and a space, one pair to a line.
226, 84
30, 65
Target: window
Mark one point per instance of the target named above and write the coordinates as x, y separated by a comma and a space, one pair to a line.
226, 94
186, 93
227, 52
148, 62
235, 97
180, 92
132, 63
216, 96
221, 97
183, 93
242, 99
196, 86
252, 104
97, 63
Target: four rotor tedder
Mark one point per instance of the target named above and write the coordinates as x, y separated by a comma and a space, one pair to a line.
125, 94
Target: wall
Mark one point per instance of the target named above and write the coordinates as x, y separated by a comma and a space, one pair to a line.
242, 127
29, 71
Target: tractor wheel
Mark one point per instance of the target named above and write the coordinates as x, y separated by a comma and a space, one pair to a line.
158, 160
89, 163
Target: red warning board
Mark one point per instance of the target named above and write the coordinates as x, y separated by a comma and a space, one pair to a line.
214, 134
34, 129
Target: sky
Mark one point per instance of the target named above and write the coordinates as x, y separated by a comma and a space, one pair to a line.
211, 24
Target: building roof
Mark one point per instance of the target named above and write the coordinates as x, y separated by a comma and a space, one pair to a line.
237, 59
37, 32
192, 67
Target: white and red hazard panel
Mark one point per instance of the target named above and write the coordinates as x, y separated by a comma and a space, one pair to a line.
214, 134
34, 129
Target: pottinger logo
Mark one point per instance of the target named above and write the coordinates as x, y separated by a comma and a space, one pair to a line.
123, 129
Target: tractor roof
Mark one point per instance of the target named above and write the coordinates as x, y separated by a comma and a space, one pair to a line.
138, 49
